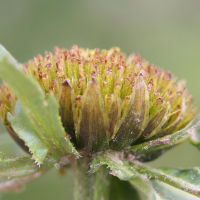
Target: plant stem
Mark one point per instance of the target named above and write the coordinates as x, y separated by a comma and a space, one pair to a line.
90, 186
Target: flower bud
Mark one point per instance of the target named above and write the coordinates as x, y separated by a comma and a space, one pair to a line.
107, 101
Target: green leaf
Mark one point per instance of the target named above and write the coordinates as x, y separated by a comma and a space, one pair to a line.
187, 180
44, 113
167, 192
124, 172
163, 197
23, 166
139, 174
15, 172
166, 141
195, 138
26, 130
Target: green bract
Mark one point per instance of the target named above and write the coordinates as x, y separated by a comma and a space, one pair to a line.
102, 109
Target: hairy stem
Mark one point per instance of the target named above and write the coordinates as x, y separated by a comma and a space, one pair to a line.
90, 186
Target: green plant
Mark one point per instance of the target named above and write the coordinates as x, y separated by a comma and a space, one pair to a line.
101, 114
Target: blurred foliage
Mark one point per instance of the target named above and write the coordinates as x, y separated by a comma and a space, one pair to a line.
166, 33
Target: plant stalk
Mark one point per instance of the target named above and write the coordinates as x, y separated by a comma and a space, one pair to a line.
90, 186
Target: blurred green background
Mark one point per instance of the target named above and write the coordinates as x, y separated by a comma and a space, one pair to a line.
166, 33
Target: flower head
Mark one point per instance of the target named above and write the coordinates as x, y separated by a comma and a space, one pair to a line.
107, 101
